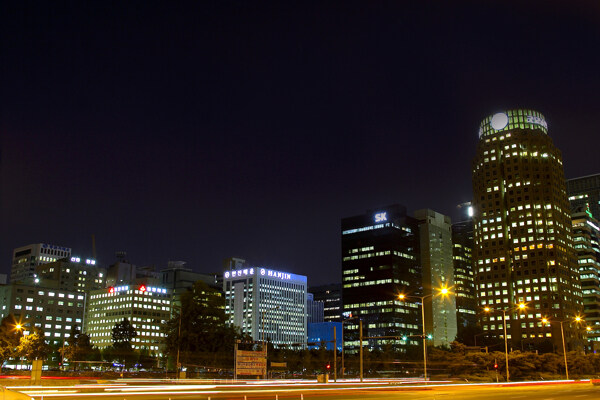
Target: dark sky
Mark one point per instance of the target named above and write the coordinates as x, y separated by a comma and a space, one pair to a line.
198, 131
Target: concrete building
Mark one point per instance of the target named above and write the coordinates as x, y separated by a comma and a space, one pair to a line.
380, 261
54, 311
146, 307
26, 258
522, 232
266, 304
585, 192
435, 236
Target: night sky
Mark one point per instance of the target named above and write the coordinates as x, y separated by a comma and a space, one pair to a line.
203, 130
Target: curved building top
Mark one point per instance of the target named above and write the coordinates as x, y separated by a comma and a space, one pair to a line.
513, 119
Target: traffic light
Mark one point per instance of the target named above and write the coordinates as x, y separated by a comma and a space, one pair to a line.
495, 364
328, 366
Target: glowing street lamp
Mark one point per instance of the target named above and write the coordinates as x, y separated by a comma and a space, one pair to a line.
442, 291
577, 319
520, 306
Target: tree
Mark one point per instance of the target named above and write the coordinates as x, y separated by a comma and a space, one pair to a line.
9, 338
33, 346
123, 334
198, 329
79, 346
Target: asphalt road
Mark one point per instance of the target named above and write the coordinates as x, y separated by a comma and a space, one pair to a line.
572, 391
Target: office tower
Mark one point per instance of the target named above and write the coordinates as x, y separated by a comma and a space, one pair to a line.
462, 254
314, 309
75, 274
146, 307
435, 237
54, 311
585, 191
26, 258
586, 237
522, 231
331, 297
268, 305
380, 260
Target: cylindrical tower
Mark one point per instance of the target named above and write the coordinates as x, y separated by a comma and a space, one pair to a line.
522, 230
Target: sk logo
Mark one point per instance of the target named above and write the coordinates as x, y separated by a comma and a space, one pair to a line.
381, 217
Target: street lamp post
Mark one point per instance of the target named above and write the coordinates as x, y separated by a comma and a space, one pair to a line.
443, 291
562, 334
520, 306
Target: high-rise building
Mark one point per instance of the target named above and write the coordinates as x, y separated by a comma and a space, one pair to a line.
268, 305
522, 231
380, 261
586, 236
26, 258
462, 254
585, 192
435, 236
331, 297
146, 307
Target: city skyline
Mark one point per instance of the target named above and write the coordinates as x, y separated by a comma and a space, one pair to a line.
251, 132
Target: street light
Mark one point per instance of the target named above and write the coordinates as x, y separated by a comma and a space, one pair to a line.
520, 306
577, 319
443, 291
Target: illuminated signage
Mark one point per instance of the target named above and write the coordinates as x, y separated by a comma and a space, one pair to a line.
241, 273
142, 288
499, 121
380, 217
534, 119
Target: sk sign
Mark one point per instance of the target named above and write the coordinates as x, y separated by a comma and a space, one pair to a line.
380, 217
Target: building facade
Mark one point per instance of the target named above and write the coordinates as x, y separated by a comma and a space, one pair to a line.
586, 235
314, 309
462, 254
26, 258
146, 307
331, 297
380, 261
74, 274
585, 192
522, 231
435, 237
56, 312
266, 304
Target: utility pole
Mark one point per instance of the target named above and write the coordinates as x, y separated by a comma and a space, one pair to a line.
334, 355
361, 348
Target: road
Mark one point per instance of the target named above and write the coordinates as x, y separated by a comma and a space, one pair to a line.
302, 391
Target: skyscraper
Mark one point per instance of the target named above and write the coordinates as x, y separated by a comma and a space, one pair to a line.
522, 231
268, 305
586, 235
435, 237
380, 260
462, 254
585, 192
